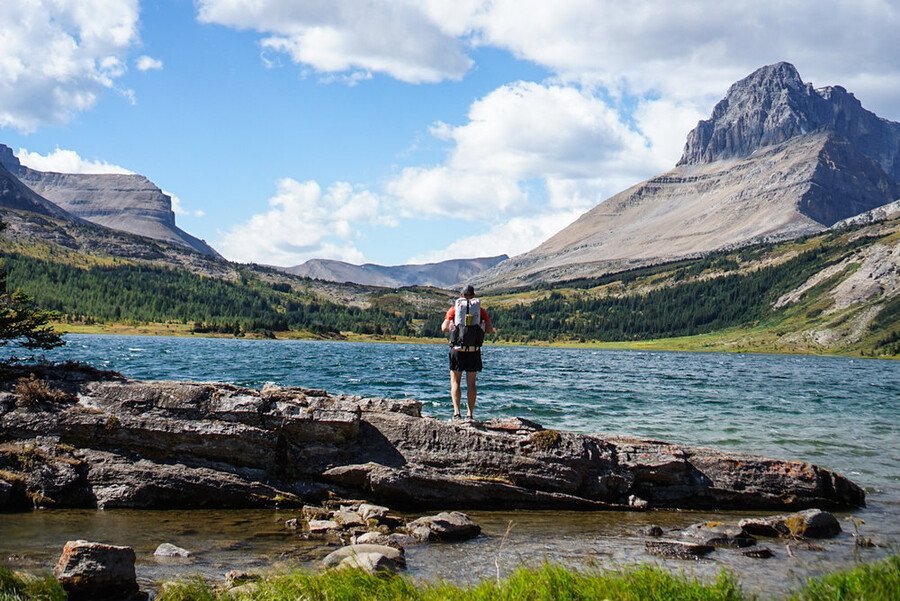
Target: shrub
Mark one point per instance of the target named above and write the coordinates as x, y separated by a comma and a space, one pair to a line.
31, 392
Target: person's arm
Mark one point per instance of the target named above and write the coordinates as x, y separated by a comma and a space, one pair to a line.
486, 319
448, 319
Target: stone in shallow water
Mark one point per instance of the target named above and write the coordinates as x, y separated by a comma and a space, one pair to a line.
811, 523
393, 553
369, 511
717, 534
369, 562
445, 526
671, 549
760, 553
323, 526
170, 550
91, 571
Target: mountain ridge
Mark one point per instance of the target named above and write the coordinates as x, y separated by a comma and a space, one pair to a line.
125, 202
777, 159
442, 274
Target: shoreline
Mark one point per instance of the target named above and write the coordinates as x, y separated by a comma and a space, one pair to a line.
730, 341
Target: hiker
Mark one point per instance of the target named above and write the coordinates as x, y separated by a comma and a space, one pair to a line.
467, 322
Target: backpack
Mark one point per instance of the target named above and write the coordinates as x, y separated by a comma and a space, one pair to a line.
467, 328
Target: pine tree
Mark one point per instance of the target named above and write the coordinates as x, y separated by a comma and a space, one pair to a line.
21, 323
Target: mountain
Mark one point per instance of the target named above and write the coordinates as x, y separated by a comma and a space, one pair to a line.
129, 203
777, 159
446, 274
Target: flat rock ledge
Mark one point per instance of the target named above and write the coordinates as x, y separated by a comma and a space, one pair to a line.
95, 439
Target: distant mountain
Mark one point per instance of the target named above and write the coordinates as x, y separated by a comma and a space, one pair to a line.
446, 274
129, 203
777, 159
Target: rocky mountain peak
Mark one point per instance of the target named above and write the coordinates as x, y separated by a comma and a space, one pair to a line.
773, 104
8, 159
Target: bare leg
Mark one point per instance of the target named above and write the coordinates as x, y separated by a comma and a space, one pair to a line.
455, 392
471, 390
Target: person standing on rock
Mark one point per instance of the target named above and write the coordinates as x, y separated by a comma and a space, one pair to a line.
467, 322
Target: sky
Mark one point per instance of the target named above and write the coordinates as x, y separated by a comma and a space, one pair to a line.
399, 131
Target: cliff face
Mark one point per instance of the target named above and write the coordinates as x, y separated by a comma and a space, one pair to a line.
773, 105
445, 274
777, 159
129, 203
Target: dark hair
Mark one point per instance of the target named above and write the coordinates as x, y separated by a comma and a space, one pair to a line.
468, 290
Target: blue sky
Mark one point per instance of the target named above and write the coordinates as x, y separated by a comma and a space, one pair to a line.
397, 131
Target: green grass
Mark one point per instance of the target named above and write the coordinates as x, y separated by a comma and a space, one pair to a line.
879, 581
548, 583
15, 586
867, 582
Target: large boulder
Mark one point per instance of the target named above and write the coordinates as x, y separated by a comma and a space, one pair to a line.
96, 572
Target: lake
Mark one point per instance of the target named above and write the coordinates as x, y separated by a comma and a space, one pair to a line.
840, 413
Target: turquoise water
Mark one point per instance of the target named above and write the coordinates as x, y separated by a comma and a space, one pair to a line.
836, 412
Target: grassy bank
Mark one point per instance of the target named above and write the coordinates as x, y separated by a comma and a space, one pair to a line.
879, 581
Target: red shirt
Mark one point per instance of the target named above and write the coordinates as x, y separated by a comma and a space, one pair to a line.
485, 319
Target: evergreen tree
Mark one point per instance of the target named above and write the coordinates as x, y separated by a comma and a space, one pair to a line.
21, 323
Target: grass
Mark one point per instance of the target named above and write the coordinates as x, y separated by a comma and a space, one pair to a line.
874, 581
879, 581
16, 586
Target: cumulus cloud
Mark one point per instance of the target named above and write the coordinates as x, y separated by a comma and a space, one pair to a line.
57, 57
62, 160
304, 221
148, 63
565, 142
335, 36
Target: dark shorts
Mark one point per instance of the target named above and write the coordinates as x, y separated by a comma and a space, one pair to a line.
465, 360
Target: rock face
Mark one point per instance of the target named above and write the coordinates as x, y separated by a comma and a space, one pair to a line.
129, 203
120, 443
777, 159
446, 274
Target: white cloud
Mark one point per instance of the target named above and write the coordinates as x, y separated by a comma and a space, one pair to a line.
179, 209
58, 56
569, 142
513, 236
337, 36
303, 222
148, 63
66, 161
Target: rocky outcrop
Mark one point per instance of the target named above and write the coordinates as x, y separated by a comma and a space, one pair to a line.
446, 274
120, 443
125, 202
778, 159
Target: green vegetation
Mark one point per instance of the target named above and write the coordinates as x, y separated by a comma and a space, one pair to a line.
877, 581
722, 301
26, 587
874, 582
867, 582
21, 323
141, 293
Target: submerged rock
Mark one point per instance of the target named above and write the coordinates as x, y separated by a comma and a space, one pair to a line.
717, 534
119, 443
671, 549
91, 571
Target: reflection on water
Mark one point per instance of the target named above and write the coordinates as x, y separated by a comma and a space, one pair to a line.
837, 412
